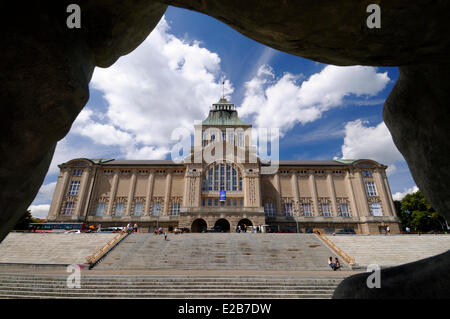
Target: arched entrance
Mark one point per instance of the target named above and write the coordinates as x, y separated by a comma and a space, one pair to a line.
245, 222
223, 224
198, 226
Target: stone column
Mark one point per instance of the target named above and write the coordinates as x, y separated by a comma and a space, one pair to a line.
81, 192
363, 194
313, 190
296, 193
381, 189
388, 192
55, 208
351, 194
131, 193
276, 180
332, 192
112, 193
149, 194
167, 193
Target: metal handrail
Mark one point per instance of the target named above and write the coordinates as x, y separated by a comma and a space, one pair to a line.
99, 253
350, 260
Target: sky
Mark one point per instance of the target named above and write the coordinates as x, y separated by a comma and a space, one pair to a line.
323, 111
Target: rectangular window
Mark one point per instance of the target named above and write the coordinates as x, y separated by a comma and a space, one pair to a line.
376, 209
228, 177
326, 212
68, 208
234, 180
370, 188
287, 209
343, 209
209, 202
228, 202
224, 136
269, 210
156, 209
119, 209
175, 209
307, 210
222, 177
234, 202
216, 202
138, 208
101, 208
74, 187
216, 177
240, 183
241, 139
203, 202
367, 173
77, 172
210, 179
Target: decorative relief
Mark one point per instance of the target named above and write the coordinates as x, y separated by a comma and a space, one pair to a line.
374, 199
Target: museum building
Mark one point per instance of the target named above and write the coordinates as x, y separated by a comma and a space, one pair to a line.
235, 188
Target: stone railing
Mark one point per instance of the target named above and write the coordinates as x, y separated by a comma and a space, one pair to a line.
348, 259
102, 251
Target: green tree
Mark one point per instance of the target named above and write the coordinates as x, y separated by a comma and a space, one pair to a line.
418, 214
24, 222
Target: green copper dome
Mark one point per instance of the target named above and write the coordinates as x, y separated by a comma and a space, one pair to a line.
223, 113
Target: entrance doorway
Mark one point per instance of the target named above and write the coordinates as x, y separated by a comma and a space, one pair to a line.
198, 226
245, 222
223, 224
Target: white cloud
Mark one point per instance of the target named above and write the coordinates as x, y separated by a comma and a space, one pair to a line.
45, 193
39, 211
164, 84
283, 103
372, 142
400, 195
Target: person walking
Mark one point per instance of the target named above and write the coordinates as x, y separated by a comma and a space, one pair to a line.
165, 235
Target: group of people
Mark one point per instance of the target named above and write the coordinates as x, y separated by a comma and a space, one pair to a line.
243, 229
159, 231
334, 265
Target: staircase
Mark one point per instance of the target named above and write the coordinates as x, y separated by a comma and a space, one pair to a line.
175, 286
391, 250
50, 249
220, 251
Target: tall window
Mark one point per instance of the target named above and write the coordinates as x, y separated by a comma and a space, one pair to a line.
367, 173
269, 209
204, 183
77, 172
376, 209
210, 179
156, 209
74, 187
231, 137
68, 208
307, 210
101, 208
343, 209
175, 209
234, 180
240, 183
138, 208
222, 177
370, 188
326, 212
224, 136
287, 209
119, 209
228, 177
209, 202
216, 177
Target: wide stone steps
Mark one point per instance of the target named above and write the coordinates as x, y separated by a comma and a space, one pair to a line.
179, 286
391, 250
219, 252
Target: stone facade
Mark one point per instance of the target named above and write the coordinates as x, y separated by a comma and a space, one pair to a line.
298, 196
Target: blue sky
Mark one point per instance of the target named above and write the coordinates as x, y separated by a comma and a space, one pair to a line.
170, 81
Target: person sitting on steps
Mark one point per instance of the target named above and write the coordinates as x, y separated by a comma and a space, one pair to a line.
337, 264
331, 264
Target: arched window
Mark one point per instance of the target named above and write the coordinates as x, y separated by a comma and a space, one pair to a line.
222, 177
